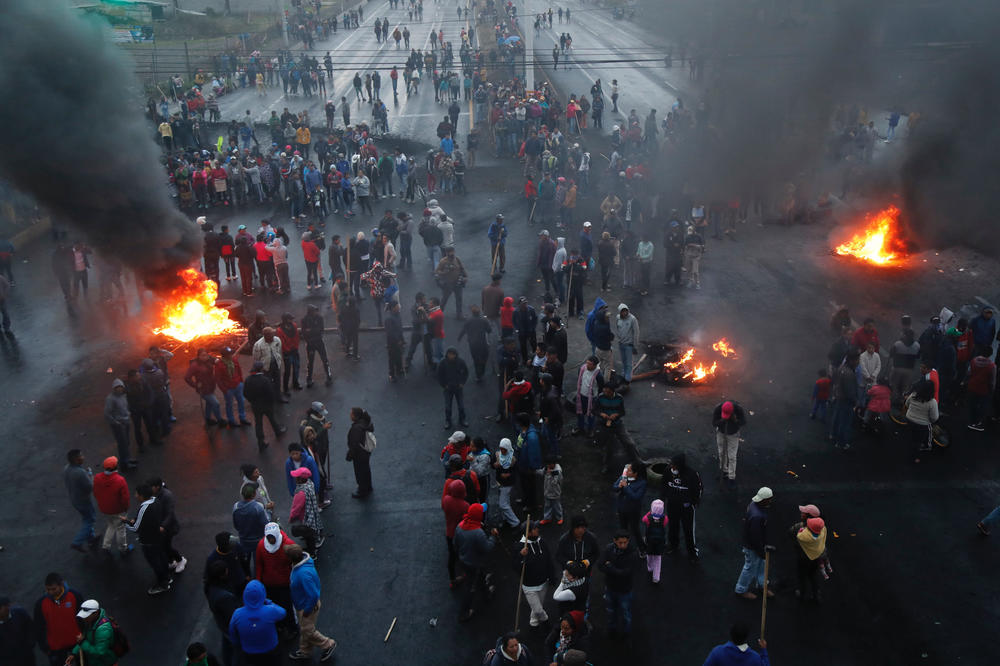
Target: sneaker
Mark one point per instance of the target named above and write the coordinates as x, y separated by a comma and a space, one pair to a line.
156, 589
179, 567
985, 531
172, 566
560, 521
544, 521
320, 541
978, 427
328, 653
298, 655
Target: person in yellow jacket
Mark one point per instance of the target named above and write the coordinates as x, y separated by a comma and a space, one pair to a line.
811, 540
303, 138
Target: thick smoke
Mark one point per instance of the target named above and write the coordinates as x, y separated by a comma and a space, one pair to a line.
71, 136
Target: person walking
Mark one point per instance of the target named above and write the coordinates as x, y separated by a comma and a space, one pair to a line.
169, 525
95, 644
147, 525
55, 619
479, 331
655, 537
360, 444
610, 409
535, 560
682, 490
201, 377
755, 544
845, 400
262, 394
111, 493
451, 276
617, 562
728, 418
452, 373
80, 486
737, 652
474, 547
253, 627
229, 379
306, 593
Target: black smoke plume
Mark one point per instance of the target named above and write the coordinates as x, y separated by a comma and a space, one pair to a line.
71, 136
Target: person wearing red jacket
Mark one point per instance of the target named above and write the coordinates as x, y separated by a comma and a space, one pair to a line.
435, 327
274, 571
55, 619
310, 251
111, 493
865, 335
229, 378
220, 184
201, 377
199, 180
458, 444
982, 384
530, 197
455, 507
288, 333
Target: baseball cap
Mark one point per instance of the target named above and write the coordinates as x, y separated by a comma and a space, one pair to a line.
88, 608
764, 493
301, 472
810, 510
457, 436
587, 224
319, 408
543, 232
815, 525
111, 462
727, 409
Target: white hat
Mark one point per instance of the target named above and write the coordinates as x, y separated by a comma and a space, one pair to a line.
763, 494
272, 529
505, 444
587, 225
201, 220
456, 437
88, 608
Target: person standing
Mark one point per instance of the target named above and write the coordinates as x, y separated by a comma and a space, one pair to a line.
452, 373
16, 634
4, 315
395, 341
589, 384
201, 377
525, 321
755, 544
261, 393
97, 636
80, 486
535, 560
478, 330
268, 352
497, 233
306, 593
737, 652
116, 413
451, 276
630, 490
169, 525
728, 418
253, 627
55, 619
682, 490
617, 562
454, 506
627, 327
474, 547
655, 537
273, 570
111, 493
288, 333
229, 379
360, 444
529, 460
223, 598
845, 400
610, 409
982, 384
249, 520
147, 525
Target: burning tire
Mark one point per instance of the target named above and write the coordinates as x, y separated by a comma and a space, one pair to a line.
233, 307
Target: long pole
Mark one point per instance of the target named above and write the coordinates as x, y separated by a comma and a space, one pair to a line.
763, 605
569, 292
520, 584
496, 251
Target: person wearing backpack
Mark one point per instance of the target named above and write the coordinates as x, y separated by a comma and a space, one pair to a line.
360, 444
509, 651
100, 643
655, 527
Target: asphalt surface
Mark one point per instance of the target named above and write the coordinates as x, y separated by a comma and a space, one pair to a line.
911, 581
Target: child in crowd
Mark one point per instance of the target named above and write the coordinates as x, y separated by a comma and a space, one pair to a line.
480, 461
553, 510
821, 396
655, 527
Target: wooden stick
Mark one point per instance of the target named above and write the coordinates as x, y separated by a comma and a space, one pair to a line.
496, 251
636, 364
531, 215
763, 606
569, 292
520, 585
388, 633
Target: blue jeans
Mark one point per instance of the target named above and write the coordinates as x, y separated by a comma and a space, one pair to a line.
86, 532
237, 395
212, 409
753, 570
559, 278
121, 434
433, 250
437, 345
819, 408
626, 352
619, 609
843, 421
584, 422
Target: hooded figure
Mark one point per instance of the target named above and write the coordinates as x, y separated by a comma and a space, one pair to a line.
681, 487
252, 628
455, 507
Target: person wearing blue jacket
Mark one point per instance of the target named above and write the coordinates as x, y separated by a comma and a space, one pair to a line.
252, 628
305, 588
737, 652
630, 491
497, 233
298, 457
528, 450
249, 519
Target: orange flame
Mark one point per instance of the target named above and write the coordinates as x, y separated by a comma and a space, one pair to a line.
724, 348
696, 373
879, 242
700, 372
191, 312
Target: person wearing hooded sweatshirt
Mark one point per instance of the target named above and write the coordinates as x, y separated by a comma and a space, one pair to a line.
306, 592
536, 560
558, 278
655, 528
618, 563
737, 652
452, 373
111, 493
279, 254
253, 627
116, 413
569, 643
454, 506
147, 524
682, 489
361, 424
509, 651
529, 460
249, 520
298, 457
627, 328
273, 570
506, 467
474, 548
97, 636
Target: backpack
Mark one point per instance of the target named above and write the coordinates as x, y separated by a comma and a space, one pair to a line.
370, 442
492, 652
656, 534
119, 643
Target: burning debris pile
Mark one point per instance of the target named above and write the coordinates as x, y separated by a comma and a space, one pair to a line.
679, 367
880, 241
191, 312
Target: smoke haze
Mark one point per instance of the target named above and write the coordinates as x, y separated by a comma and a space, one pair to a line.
72, 138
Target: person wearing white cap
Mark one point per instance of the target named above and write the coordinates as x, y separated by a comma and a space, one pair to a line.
272, 568
755, 544
97, 636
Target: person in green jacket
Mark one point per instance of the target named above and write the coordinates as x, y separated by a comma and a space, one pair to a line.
97, 637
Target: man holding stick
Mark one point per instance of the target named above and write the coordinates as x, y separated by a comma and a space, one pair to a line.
737, 651
755, 545
497, 233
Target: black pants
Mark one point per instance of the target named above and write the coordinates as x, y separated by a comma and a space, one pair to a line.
308, 535
362, 471
673, 272
629, 520
418, 337
549, 281
605, 274
475, 586
529, 489
479, 360
156, 556
246, 277
173, 555
528, 344
230, 262
679, 515
311, 350
576, 299
282, 595
452, 557
142, 417
395, 359
446, 293
807, 571
259, 413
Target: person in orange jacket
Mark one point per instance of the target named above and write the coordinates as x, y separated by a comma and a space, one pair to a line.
111, 493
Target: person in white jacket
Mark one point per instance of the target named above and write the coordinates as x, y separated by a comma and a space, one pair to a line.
871, 365
447, 230
627, 329
280, 253
558, 259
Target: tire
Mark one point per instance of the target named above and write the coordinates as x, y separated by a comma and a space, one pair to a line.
233, 306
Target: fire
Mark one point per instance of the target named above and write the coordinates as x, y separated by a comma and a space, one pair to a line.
695, 373
700, 372
191, 312
879, 242
724, 348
